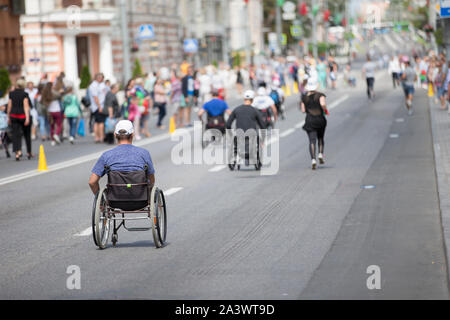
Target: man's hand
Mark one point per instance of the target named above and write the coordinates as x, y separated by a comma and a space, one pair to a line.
27, 122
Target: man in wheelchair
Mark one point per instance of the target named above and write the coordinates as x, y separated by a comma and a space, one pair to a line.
125, 162
215, 110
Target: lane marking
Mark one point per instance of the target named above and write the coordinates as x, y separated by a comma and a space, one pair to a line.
400, 120
217, 168
84, 233
79, 160
338, 102
300, 125
394, 136
171, 191
287, 133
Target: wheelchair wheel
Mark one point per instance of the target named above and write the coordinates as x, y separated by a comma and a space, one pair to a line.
100, 220
158, 214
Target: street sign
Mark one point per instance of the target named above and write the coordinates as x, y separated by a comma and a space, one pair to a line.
146, 31
272, 37
190, 45
284, 39
296, 31
36, 60
289, 10
445, 8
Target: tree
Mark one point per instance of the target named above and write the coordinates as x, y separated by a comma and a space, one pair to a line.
85, 78
137, 71
5, 82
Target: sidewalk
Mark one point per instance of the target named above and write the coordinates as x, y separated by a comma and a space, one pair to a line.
440, 125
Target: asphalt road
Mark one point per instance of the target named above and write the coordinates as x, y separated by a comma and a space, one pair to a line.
299, 234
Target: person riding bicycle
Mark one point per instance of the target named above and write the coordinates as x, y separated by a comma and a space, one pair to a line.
215, 110
277, 96
266, 106
124, 158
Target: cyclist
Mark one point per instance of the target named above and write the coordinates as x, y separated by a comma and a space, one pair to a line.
277, 96
266, 106
215, 109
125, 157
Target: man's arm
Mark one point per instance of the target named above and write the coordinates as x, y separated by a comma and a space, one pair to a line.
259, 119
93, 183
231, 119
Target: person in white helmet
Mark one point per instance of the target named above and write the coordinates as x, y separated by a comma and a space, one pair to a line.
314, 105
266, 106
247, 118
277, 95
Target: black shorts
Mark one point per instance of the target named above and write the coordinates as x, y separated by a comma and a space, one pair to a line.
99, 117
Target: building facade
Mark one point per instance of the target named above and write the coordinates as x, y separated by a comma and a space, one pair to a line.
66, 35
222, 27
11, 52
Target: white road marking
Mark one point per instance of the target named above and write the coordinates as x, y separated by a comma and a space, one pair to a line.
84, 233
300, 125
217, 168
79, 160
171, 191
287, 133
394, 136
338, 102
400, 120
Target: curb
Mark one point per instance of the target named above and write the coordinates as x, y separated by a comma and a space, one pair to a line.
443, 185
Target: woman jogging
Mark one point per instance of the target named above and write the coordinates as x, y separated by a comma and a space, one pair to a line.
314, 105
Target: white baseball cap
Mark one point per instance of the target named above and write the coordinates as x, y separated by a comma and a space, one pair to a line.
125, 125
249, 95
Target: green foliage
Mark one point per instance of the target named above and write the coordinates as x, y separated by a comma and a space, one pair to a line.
5, 82
323, 47
237, 59
215, 64
85, 78
137, 71
439, 35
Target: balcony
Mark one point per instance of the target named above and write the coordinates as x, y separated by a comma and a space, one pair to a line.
85, 4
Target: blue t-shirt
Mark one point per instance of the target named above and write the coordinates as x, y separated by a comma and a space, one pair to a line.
215, 107
125, 158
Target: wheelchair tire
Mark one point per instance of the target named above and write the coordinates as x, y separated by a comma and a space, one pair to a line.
158, 217
101, 224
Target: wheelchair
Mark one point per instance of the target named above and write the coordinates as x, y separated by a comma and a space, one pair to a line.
128, 193
245, 155
217, 122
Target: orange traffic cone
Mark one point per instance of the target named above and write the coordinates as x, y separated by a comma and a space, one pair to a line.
42, 160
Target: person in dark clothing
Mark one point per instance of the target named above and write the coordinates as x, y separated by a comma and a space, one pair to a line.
188, 90
18, 113
247, 118
314, 105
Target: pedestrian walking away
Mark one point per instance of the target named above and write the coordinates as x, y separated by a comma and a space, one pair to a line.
369, 73
314, 105
409, 77
18, 113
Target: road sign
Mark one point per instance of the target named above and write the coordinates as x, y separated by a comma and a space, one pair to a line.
146, 31
288, 10
284, 39
36, 60
272, 37
190, 45
445, 8
296, 31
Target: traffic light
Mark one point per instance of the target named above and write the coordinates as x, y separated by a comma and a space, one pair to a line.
326, 15
303, 9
